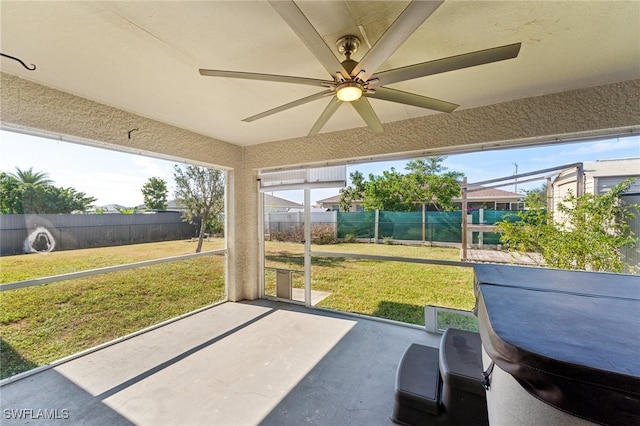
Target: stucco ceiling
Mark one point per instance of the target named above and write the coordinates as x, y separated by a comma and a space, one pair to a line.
143, 57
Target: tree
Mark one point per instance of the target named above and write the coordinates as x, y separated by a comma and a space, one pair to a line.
29, 176
353, 192
155, 194
427, 183
18, 197
126, 210
10, 194
388, 191
536, 198
590, 234
426, 166
201, 191
432, 184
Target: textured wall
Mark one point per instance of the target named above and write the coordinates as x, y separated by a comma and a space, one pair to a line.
604, 110
30, 106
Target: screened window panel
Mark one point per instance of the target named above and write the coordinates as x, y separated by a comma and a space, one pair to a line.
318, 177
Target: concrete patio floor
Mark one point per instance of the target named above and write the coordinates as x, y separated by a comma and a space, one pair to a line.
244, 363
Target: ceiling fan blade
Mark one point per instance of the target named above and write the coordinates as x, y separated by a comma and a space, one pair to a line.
407, 98
451, 63
409, 20
299, 23
331, 108
364, 108
265, 77
288, 106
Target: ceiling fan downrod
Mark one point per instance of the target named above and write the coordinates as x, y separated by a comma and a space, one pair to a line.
349, 90
348, 45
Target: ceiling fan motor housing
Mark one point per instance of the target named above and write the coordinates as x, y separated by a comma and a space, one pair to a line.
348, 45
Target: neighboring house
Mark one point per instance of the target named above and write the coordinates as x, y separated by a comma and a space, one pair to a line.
478, 197
276, 204
597, 178
173, 205
333, 204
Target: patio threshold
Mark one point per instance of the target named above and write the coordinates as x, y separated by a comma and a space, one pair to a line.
259, 362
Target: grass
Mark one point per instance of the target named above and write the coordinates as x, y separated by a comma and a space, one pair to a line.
48, 322
44, 323
456, 320
37, 265
385, 289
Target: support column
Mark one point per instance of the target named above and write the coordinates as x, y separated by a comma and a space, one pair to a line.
242, 236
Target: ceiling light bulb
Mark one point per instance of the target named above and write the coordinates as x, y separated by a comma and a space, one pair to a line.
349, 91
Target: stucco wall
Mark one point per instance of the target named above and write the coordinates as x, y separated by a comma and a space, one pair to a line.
30, 106
604, 110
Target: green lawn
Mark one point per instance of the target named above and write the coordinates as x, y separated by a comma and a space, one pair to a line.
44, 323
385, 289
24, 267
48, 322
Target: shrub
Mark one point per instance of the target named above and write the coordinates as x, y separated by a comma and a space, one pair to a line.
292, 234
588, 236
323, 234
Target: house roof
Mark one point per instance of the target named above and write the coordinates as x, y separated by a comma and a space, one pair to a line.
173, 204
606, 173
617, 167
273, 201
624, 167
334, 199
143, 57
478, 192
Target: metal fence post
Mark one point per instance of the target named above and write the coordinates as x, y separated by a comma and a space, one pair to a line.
424, 222
376, 224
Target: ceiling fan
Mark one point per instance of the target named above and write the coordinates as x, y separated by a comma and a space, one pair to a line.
354, 82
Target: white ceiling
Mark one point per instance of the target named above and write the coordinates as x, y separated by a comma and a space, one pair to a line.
143, 57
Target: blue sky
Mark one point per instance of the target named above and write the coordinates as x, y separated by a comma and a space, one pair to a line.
117, 178
110, 176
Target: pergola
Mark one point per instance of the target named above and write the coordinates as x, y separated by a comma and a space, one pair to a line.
104, 69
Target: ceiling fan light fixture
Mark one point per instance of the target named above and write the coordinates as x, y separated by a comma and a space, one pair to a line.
349, 91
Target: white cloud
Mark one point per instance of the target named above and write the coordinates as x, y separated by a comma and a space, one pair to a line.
552, 160
152, 167
606, 146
